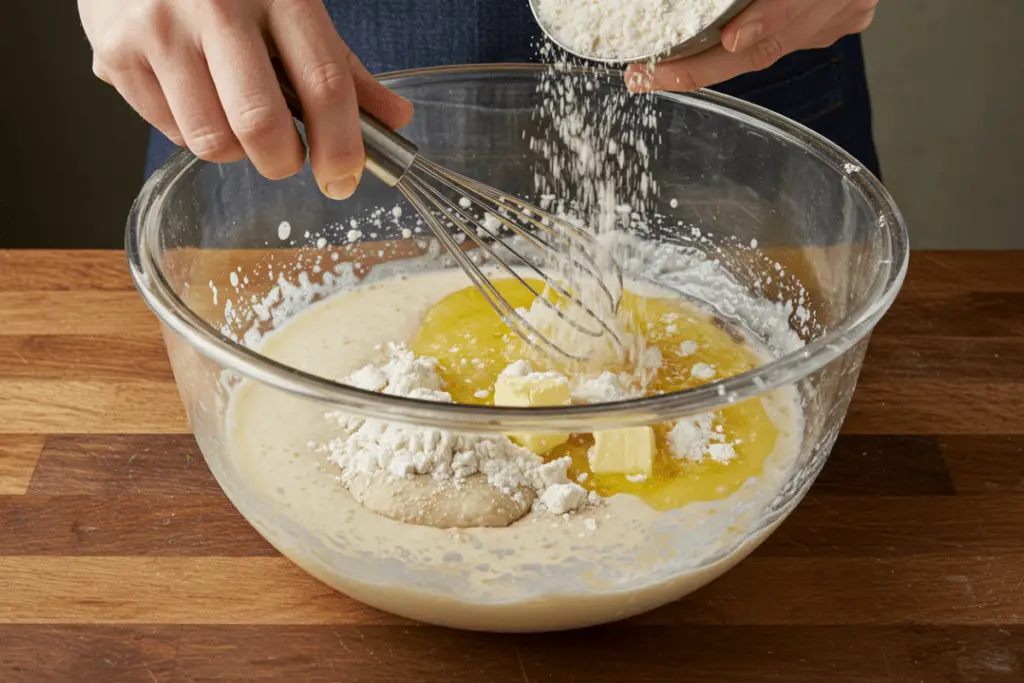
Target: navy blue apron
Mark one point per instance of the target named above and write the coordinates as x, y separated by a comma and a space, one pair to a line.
825, 90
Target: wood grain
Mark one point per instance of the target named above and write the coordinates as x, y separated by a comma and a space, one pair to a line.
885, 466
610, 654
202, 526
971, 360
84, 358
18, 456
171, 590
986, 466
762, 590
121, 560
111, 407
972, 271
915, 465
899, 527
943, 314
158, 526
930, 405
76, 312
61, 271
108, 465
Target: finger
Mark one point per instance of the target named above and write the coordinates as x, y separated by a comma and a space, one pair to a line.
251, 98
316, 60
684, 75
718, 64
393, 110
140, 89
192, 98
767, 18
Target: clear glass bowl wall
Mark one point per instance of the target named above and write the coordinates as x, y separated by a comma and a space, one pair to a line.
742, 175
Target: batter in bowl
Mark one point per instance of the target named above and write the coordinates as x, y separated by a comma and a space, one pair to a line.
629, 545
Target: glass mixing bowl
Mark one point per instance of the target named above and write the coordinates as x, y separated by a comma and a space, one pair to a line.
791, 220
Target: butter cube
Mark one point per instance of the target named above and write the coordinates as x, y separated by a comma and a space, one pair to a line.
541, 444
533, 390
623, 451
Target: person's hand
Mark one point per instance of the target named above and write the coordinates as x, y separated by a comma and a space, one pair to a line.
200, 71
756, 39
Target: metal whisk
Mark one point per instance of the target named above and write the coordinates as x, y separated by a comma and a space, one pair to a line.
575, 259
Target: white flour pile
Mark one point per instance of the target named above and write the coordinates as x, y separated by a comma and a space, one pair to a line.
605, 388
626, 29
388, 451
697, 438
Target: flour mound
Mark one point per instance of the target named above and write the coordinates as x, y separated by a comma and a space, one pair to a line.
372, 450
605, 388
697, 439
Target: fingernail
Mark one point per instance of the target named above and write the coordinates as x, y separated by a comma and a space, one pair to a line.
342, 189
746, 36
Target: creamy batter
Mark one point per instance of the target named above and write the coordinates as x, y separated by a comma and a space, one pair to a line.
543, 572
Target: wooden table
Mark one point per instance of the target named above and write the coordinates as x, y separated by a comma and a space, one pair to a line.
120, 559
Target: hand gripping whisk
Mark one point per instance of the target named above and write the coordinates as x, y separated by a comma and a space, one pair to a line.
576, 260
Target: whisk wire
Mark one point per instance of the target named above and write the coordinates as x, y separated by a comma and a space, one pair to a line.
412, 189
499, 208
541, 219
430, 201
396, 162
473, 229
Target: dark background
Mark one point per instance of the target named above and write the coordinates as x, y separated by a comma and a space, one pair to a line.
947, 82
74, 152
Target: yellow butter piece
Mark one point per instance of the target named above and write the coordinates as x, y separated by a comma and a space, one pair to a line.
541, 444
533, 390
623, 451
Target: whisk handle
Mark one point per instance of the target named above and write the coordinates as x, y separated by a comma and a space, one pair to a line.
388, 154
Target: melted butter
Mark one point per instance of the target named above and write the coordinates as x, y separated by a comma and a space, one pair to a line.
473, 346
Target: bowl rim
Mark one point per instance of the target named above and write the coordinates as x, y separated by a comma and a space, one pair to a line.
143, 228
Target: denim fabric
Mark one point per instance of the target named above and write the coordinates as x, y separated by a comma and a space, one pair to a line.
825, 90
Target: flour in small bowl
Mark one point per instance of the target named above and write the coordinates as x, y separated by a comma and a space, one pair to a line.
626, 29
